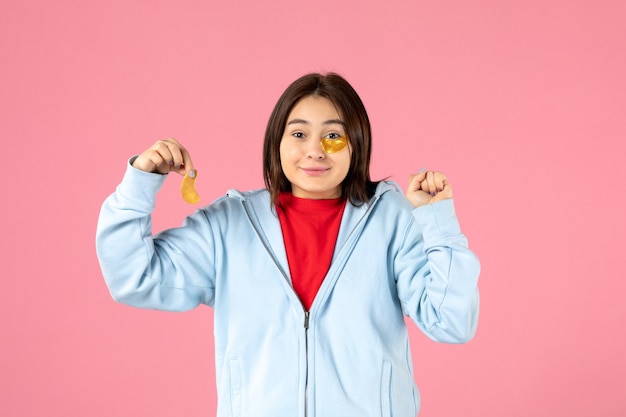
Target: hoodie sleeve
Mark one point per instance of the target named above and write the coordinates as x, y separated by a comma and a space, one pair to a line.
437, 275
169, 271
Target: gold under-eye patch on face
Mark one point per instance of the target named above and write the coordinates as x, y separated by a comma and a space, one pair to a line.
188, 189
334, 145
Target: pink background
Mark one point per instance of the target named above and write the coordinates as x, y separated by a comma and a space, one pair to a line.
520, 103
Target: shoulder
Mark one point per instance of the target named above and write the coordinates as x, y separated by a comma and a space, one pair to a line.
234, 201
390, 195
388, 207
237, 197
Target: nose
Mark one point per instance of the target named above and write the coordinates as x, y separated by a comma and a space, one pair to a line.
314, 150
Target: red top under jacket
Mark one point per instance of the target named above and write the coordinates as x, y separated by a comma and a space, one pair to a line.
310, 229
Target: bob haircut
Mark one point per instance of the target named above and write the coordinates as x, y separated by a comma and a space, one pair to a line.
357, 186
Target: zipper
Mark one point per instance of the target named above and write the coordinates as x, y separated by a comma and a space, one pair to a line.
306, 357
265, 243
372, 203
306, 313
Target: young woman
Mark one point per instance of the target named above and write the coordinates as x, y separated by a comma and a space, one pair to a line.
310, 278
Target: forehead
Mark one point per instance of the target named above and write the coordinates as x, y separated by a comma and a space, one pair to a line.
314, 109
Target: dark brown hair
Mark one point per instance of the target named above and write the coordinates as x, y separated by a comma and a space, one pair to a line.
357, 186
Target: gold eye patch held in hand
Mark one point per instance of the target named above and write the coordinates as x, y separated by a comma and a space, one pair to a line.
334, 145
188, 188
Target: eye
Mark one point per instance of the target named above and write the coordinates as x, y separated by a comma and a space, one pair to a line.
298, 135
331, 144
332, 136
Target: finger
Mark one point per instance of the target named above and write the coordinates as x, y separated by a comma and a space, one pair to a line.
416, 179
182, 163
165, 156
444, 189
188, 164
161, 152
414, 183
439, 179
428, 184
175, 150
158, 161
152, 160
447, 189
431, 186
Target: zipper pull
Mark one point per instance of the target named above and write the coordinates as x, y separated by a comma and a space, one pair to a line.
306, 319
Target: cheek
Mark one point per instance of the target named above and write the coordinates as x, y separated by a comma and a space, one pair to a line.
344, 162
289, 153
348, 158
287, 157
283, 155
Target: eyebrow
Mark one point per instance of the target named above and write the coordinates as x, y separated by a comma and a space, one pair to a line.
327, 122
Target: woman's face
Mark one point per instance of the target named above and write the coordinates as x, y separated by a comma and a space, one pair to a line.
312, 172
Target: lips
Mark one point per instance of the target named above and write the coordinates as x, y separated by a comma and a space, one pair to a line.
315, 171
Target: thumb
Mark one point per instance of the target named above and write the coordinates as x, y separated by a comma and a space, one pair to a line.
416, 179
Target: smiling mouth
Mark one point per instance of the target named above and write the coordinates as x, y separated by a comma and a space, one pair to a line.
315, 171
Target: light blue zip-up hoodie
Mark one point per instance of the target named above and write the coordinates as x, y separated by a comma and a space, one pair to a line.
349, 355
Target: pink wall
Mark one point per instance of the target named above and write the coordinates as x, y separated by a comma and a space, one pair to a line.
521, 103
